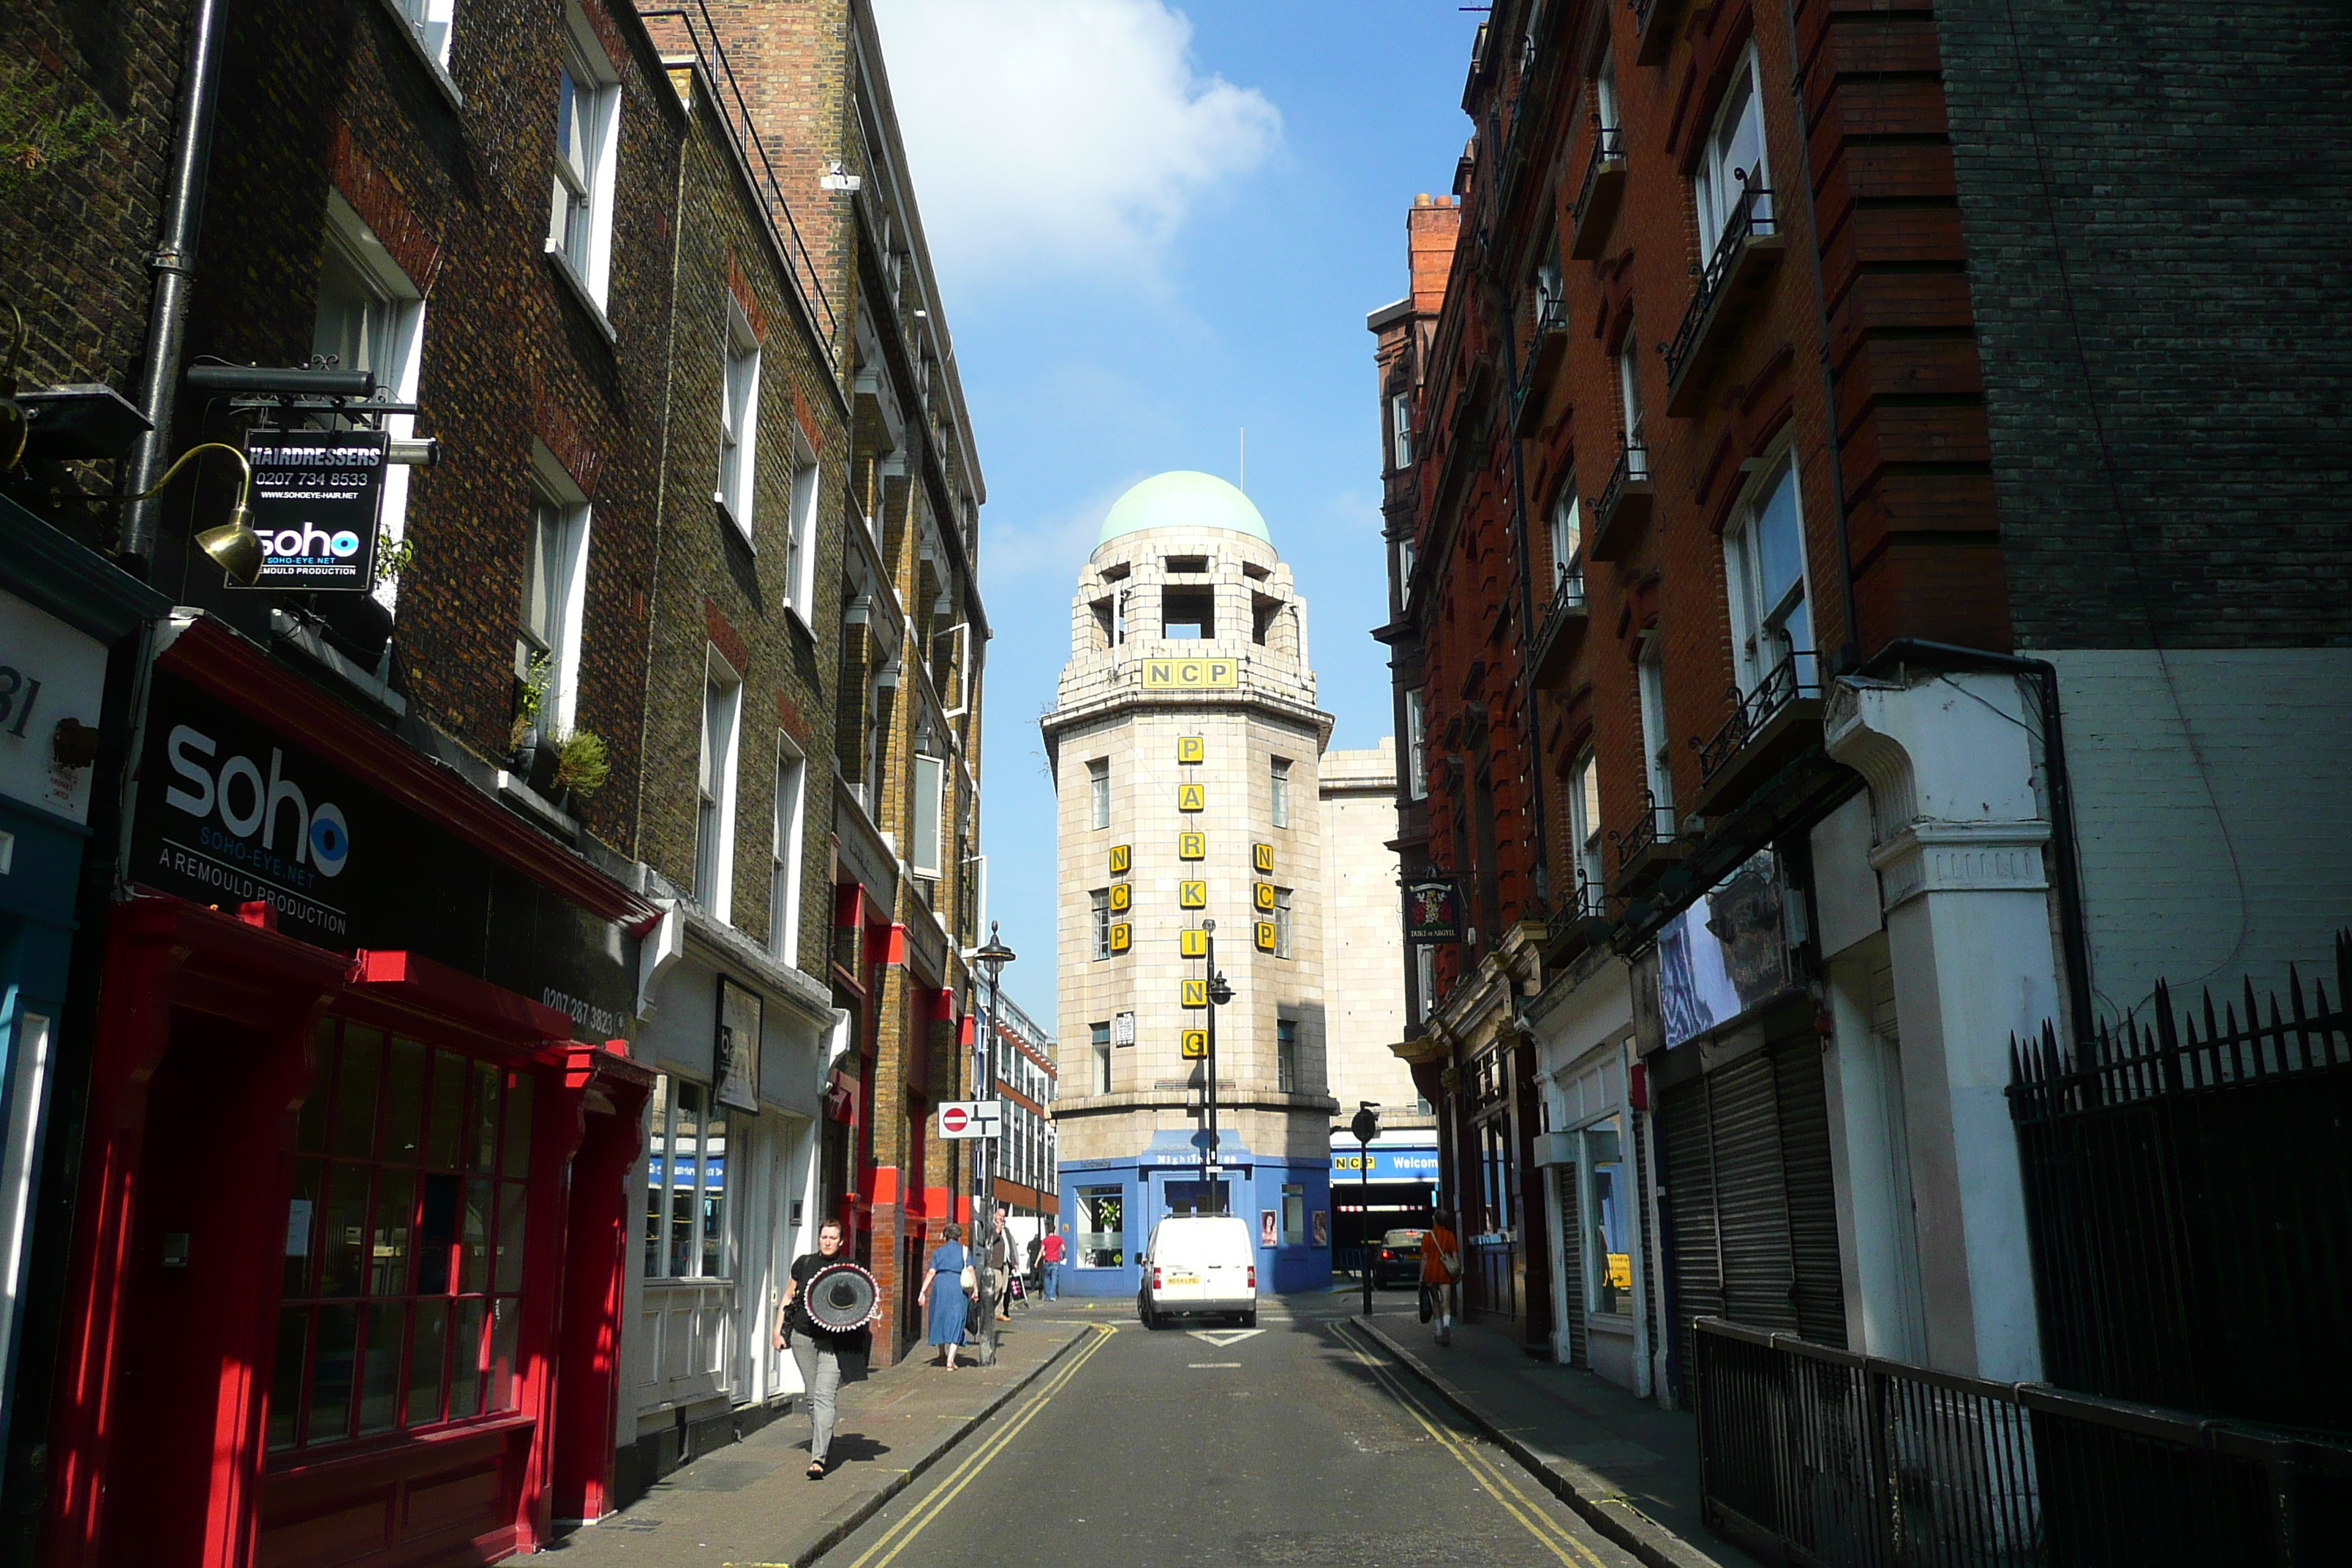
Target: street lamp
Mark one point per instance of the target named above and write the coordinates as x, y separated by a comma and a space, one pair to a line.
1365, 1126
992, 959
1219, 994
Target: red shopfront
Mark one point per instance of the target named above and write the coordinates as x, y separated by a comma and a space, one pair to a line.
346, 1277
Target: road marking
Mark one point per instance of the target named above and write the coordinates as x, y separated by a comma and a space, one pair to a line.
1530, 1514
1209, 1365
921, 1516
1221, 1338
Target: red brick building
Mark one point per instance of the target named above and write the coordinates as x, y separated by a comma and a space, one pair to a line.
1745, 490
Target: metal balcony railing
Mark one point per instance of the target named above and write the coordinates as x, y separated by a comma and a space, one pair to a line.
1654, 826
1608, 146
1566, 601
1751, 217
1796, 676
1633, 464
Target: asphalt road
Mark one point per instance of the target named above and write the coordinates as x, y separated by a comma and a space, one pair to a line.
1301, 1445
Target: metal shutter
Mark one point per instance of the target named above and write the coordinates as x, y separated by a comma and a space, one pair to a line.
1571, 1261
1649, 1242
1694, 1275
1750, 1199
1819, 1289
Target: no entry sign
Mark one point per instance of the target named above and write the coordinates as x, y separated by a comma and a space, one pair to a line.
971, 1118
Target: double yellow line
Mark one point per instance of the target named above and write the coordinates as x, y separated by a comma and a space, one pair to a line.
1554, 1536
896, 1539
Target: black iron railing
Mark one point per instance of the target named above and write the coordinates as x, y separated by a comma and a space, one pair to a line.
1608, 146
1633, 466
1580, 909
701, 39
1567, 599
1796, 676
1855, 1462
2189, 1204
1751, 216
1654, 826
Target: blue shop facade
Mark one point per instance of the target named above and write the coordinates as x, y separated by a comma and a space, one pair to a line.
1111, 1205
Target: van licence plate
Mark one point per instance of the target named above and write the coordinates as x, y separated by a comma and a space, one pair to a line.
1183, 1279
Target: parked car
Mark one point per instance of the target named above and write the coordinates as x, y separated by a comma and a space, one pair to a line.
1199, 1265
1397, 1260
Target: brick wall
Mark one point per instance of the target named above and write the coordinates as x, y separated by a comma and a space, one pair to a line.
2155, 198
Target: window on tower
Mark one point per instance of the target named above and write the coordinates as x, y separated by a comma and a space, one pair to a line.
1188, 614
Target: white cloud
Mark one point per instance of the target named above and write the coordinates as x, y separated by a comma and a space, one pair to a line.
1062, 136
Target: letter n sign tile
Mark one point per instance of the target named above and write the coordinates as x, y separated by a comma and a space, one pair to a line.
1262, 857
1196, 993
1193, 895
1119, 859
1191, 797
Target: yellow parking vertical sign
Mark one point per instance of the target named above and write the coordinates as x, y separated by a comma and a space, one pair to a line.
1191, 797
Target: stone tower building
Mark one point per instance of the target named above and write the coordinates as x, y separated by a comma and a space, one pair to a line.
1186, 748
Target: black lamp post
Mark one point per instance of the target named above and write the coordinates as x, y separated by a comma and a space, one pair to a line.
1364, 1127
992, 959
1220, 994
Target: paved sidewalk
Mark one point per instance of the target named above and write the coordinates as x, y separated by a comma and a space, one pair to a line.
1628, 1468
751, 1504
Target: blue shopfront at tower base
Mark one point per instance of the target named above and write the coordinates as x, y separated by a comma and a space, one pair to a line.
1109, 1206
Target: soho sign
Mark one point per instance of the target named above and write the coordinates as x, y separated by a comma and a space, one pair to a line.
249, 804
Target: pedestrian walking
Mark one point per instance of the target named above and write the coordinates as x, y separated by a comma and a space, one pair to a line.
1441, 1266
944, 1306
1050, 1265
825, 1359
1000, 1266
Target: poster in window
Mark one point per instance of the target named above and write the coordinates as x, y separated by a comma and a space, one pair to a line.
735, 1058
1322, 1227
1432, 912
1266, 1235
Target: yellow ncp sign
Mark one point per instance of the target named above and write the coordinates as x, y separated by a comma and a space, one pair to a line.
1191, 675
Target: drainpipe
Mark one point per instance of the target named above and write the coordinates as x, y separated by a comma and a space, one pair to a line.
2071, 934
174, 265
1533, 726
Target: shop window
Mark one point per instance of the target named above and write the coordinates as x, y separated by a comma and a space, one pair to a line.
1294, 1215
1102, 1228
1609, 1255
403, 1267
686, 1184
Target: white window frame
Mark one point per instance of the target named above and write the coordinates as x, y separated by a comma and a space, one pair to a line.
791, 826
739, 422
800, 534
580, 180
1400, 431
1657, 748
394, 347
1764, 634
1734, 146
927, 821
1604, 94
1286, 1056
432, 21
560, 507
1416, 744
1098, 1042
1424, 973
1099, 792
714, 834
1279, 792
662, 1117
1567, 529
1098, 912
1282, 923
1629, 398
1584, 822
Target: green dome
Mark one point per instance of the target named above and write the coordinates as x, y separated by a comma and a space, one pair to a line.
1182, 500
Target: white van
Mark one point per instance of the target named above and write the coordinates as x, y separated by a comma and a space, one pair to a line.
1200, 1264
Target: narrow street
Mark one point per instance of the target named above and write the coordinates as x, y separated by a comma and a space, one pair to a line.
1303, 1444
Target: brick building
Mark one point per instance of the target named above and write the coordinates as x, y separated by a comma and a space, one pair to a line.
1822, 406
568, 882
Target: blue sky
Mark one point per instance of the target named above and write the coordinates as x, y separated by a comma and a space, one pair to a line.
1154, 227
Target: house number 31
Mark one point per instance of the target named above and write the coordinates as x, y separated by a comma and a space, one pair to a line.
12, 683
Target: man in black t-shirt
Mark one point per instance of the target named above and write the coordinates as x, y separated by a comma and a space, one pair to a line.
818, 1353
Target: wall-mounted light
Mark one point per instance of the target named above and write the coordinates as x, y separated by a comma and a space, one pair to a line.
234, 545
837, 178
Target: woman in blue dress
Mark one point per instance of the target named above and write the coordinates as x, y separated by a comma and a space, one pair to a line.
943, 1303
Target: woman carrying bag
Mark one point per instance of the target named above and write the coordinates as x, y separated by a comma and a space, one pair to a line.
944, 1306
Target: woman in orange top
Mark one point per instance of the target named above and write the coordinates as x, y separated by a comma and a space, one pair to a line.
1440, 1265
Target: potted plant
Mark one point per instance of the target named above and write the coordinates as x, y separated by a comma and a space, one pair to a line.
533, 747
582, 765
